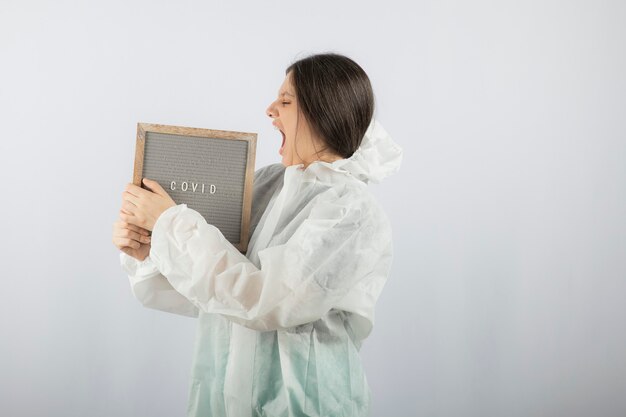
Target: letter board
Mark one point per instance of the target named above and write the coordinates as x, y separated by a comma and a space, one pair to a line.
209, 170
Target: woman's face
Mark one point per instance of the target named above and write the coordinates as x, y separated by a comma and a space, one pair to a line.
293, 128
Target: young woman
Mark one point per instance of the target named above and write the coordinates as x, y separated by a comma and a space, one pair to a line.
279, 329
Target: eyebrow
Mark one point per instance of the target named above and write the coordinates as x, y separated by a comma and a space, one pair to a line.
286, 93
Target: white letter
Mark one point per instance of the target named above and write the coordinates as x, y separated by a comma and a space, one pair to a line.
212, 188
194, 185
184, 186
173, 185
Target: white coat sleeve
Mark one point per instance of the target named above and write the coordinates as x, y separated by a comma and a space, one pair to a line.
298, 282
152, 289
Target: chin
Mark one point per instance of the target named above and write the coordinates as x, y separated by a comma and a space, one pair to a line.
286, 161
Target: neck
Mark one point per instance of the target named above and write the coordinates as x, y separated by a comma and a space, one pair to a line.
327, 158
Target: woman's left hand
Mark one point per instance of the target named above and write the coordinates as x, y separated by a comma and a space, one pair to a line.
143, 207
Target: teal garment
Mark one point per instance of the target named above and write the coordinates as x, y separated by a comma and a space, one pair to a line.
279, 329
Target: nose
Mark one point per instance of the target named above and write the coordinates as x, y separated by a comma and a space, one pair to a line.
270, 112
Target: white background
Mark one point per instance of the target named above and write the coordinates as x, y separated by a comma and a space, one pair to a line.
507, 291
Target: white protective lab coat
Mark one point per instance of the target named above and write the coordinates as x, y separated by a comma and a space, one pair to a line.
279, 329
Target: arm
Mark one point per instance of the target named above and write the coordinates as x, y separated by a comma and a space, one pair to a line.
299, 281
152, 289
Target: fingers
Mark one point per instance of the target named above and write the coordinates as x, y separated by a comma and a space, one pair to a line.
134, 189
125, 242
157, 189
153, 188
121, 242
128, 196
137, 229
128, 207
132, 197
120, 224
131, 234
135, 253
153, 185
149, 183
128, 251
128, 235
138, 197
130, 218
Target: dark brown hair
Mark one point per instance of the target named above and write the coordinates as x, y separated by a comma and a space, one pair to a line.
335, 96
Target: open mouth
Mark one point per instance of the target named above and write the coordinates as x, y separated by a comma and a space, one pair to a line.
282, 146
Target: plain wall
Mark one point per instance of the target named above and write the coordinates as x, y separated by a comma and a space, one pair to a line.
509, 279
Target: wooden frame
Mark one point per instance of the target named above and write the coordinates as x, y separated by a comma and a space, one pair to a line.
250, 138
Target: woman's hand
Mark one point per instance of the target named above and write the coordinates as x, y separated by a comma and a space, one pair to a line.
132, 240
142, 207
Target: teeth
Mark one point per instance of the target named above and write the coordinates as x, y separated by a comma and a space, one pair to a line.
275, 127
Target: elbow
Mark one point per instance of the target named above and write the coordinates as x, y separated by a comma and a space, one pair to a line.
144, 294
167, 301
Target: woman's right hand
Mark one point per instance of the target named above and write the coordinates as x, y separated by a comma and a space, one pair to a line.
132, 240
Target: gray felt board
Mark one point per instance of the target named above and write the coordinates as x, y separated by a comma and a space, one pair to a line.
209, 175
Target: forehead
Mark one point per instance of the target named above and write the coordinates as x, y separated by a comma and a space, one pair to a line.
286, 87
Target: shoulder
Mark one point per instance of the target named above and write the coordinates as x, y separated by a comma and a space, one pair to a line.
269, 173
347, 232
353, 205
